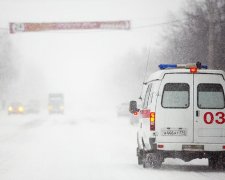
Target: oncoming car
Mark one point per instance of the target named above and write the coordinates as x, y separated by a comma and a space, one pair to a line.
16, 108
182, 116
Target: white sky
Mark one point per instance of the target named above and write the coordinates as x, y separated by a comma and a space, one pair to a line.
79, 63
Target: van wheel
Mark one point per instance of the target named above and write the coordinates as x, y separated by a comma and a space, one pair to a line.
153, 160
223, 162
157, 160
212, 163
146, 161
219, 163
216, 163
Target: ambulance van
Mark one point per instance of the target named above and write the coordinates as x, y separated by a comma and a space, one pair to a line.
182, 116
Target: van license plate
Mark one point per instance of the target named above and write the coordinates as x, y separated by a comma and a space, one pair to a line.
174, 132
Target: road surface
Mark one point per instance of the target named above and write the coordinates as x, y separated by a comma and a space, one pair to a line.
91, 148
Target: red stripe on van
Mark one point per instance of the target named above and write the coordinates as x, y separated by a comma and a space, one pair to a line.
145, 113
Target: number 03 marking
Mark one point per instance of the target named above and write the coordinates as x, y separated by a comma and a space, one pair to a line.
209, 118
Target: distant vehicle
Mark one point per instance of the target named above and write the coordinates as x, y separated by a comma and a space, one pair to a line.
16, 108
182, 116
56, 103
33, 107
123, 109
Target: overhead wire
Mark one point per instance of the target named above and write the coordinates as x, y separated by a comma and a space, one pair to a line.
158, 24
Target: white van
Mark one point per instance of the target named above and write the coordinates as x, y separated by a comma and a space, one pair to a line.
182, 116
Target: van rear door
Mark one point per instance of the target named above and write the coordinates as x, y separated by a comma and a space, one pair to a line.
174, 109
209, 112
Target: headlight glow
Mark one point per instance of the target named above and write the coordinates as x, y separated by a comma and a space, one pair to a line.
20, 109
10, 109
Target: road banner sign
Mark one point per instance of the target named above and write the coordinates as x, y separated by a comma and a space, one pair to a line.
36, 27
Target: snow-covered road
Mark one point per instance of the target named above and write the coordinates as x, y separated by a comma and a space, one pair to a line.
67, 148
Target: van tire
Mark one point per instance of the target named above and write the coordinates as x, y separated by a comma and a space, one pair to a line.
146, 160
219, 163
223, 162
157, 160
146, 163
212, 163
216, 163
153, 160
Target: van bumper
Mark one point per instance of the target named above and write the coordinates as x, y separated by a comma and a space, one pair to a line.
190, 147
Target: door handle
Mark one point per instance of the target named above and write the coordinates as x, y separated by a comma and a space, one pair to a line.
197, 113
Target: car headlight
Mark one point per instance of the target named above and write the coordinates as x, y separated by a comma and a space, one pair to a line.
10, 109
21, 109
62, 107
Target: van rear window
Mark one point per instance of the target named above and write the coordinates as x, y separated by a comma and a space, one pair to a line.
176, 95
210, 96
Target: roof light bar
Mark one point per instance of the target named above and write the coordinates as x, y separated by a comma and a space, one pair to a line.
187, 66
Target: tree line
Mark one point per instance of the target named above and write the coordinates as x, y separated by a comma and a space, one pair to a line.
199, 35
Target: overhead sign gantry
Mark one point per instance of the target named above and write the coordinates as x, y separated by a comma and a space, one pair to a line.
101, 25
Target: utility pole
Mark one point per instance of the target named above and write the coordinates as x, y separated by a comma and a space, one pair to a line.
212, 4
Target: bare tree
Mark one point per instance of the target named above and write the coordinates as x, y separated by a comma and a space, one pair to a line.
200, 36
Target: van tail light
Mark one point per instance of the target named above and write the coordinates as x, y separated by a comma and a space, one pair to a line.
223, 147
152, 121
193, 70
160, 146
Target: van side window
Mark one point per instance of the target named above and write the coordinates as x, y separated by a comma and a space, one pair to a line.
176, 95
146, 100
210, 96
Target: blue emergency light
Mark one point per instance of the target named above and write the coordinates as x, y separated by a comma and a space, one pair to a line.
204, 67
166, 66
